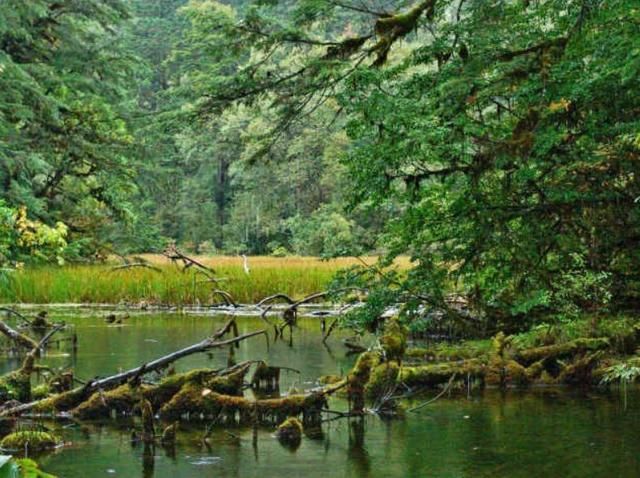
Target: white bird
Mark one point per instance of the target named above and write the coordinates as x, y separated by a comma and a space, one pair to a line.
245, 264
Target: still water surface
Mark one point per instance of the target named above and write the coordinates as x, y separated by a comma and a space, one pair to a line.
540, 433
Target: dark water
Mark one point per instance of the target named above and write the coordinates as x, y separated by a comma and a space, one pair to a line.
541, 433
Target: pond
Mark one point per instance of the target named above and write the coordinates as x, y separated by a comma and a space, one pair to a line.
542, 432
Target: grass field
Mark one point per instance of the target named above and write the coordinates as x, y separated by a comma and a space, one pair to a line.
295, 276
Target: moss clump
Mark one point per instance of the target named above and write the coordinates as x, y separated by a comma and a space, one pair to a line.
29, 440
41, 391
62, 402
383, 378
15, 386
358, 378
394, 340
290, 431
230, 384
100, 405
172, 384
502, 371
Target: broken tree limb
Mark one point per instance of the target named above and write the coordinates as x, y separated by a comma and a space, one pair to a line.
274, 297
72, 398
132, 265
228, 299
17, 337
29, 361
175, 255
22, 317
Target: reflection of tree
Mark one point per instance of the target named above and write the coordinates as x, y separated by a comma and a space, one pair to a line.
357, 454
170, 451
148, 463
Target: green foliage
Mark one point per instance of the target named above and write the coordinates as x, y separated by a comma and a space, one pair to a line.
64, 151
24, 240
504, 135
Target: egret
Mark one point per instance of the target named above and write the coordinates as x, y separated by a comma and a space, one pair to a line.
245, 264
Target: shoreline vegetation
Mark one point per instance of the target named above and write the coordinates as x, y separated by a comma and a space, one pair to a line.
163, 283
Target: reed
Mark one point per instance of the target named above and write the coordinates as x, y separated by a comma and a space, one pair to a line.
295, 276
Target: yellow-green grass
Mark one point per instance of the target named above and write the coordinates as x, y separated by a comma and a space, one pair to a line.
295, 276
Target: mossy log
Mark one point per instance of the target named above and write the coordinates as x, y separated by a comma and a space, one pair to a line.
73, 398
559, 351
195, 401
433, 375
123, 400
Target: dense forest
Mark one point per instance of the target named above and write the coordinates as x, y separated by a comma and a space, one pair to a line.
496, 143
232, 227
105, 129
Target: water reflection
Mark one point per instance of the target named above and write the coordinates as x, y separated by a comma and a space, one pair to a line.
547, 433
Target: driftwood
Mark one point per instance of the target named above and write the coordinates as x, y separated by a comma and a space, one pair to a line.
72, 398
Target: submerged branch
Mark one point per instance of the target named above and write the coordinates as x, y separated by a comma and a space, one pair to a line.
17, 337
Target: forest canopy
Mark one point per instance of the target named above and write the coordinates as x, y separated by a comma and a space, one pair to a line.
495, 142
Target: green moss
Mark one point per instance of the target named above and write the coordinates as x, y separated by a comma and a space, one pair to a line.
329, 379
290, 431
394, 340
559, 351
100, 404
41, 391
383, 378
433, 375
15, 386
358, 378
200, 402
29, 440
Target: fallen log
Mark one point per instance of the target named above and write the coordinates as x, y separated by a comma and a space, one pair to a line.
71, 399
559, 351
123, 399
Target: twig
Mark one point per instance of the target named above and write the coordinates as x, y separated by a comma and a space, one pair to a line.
444, 390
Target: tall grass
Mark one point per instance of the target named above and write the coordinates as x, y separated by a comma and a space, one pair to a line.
295, 276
